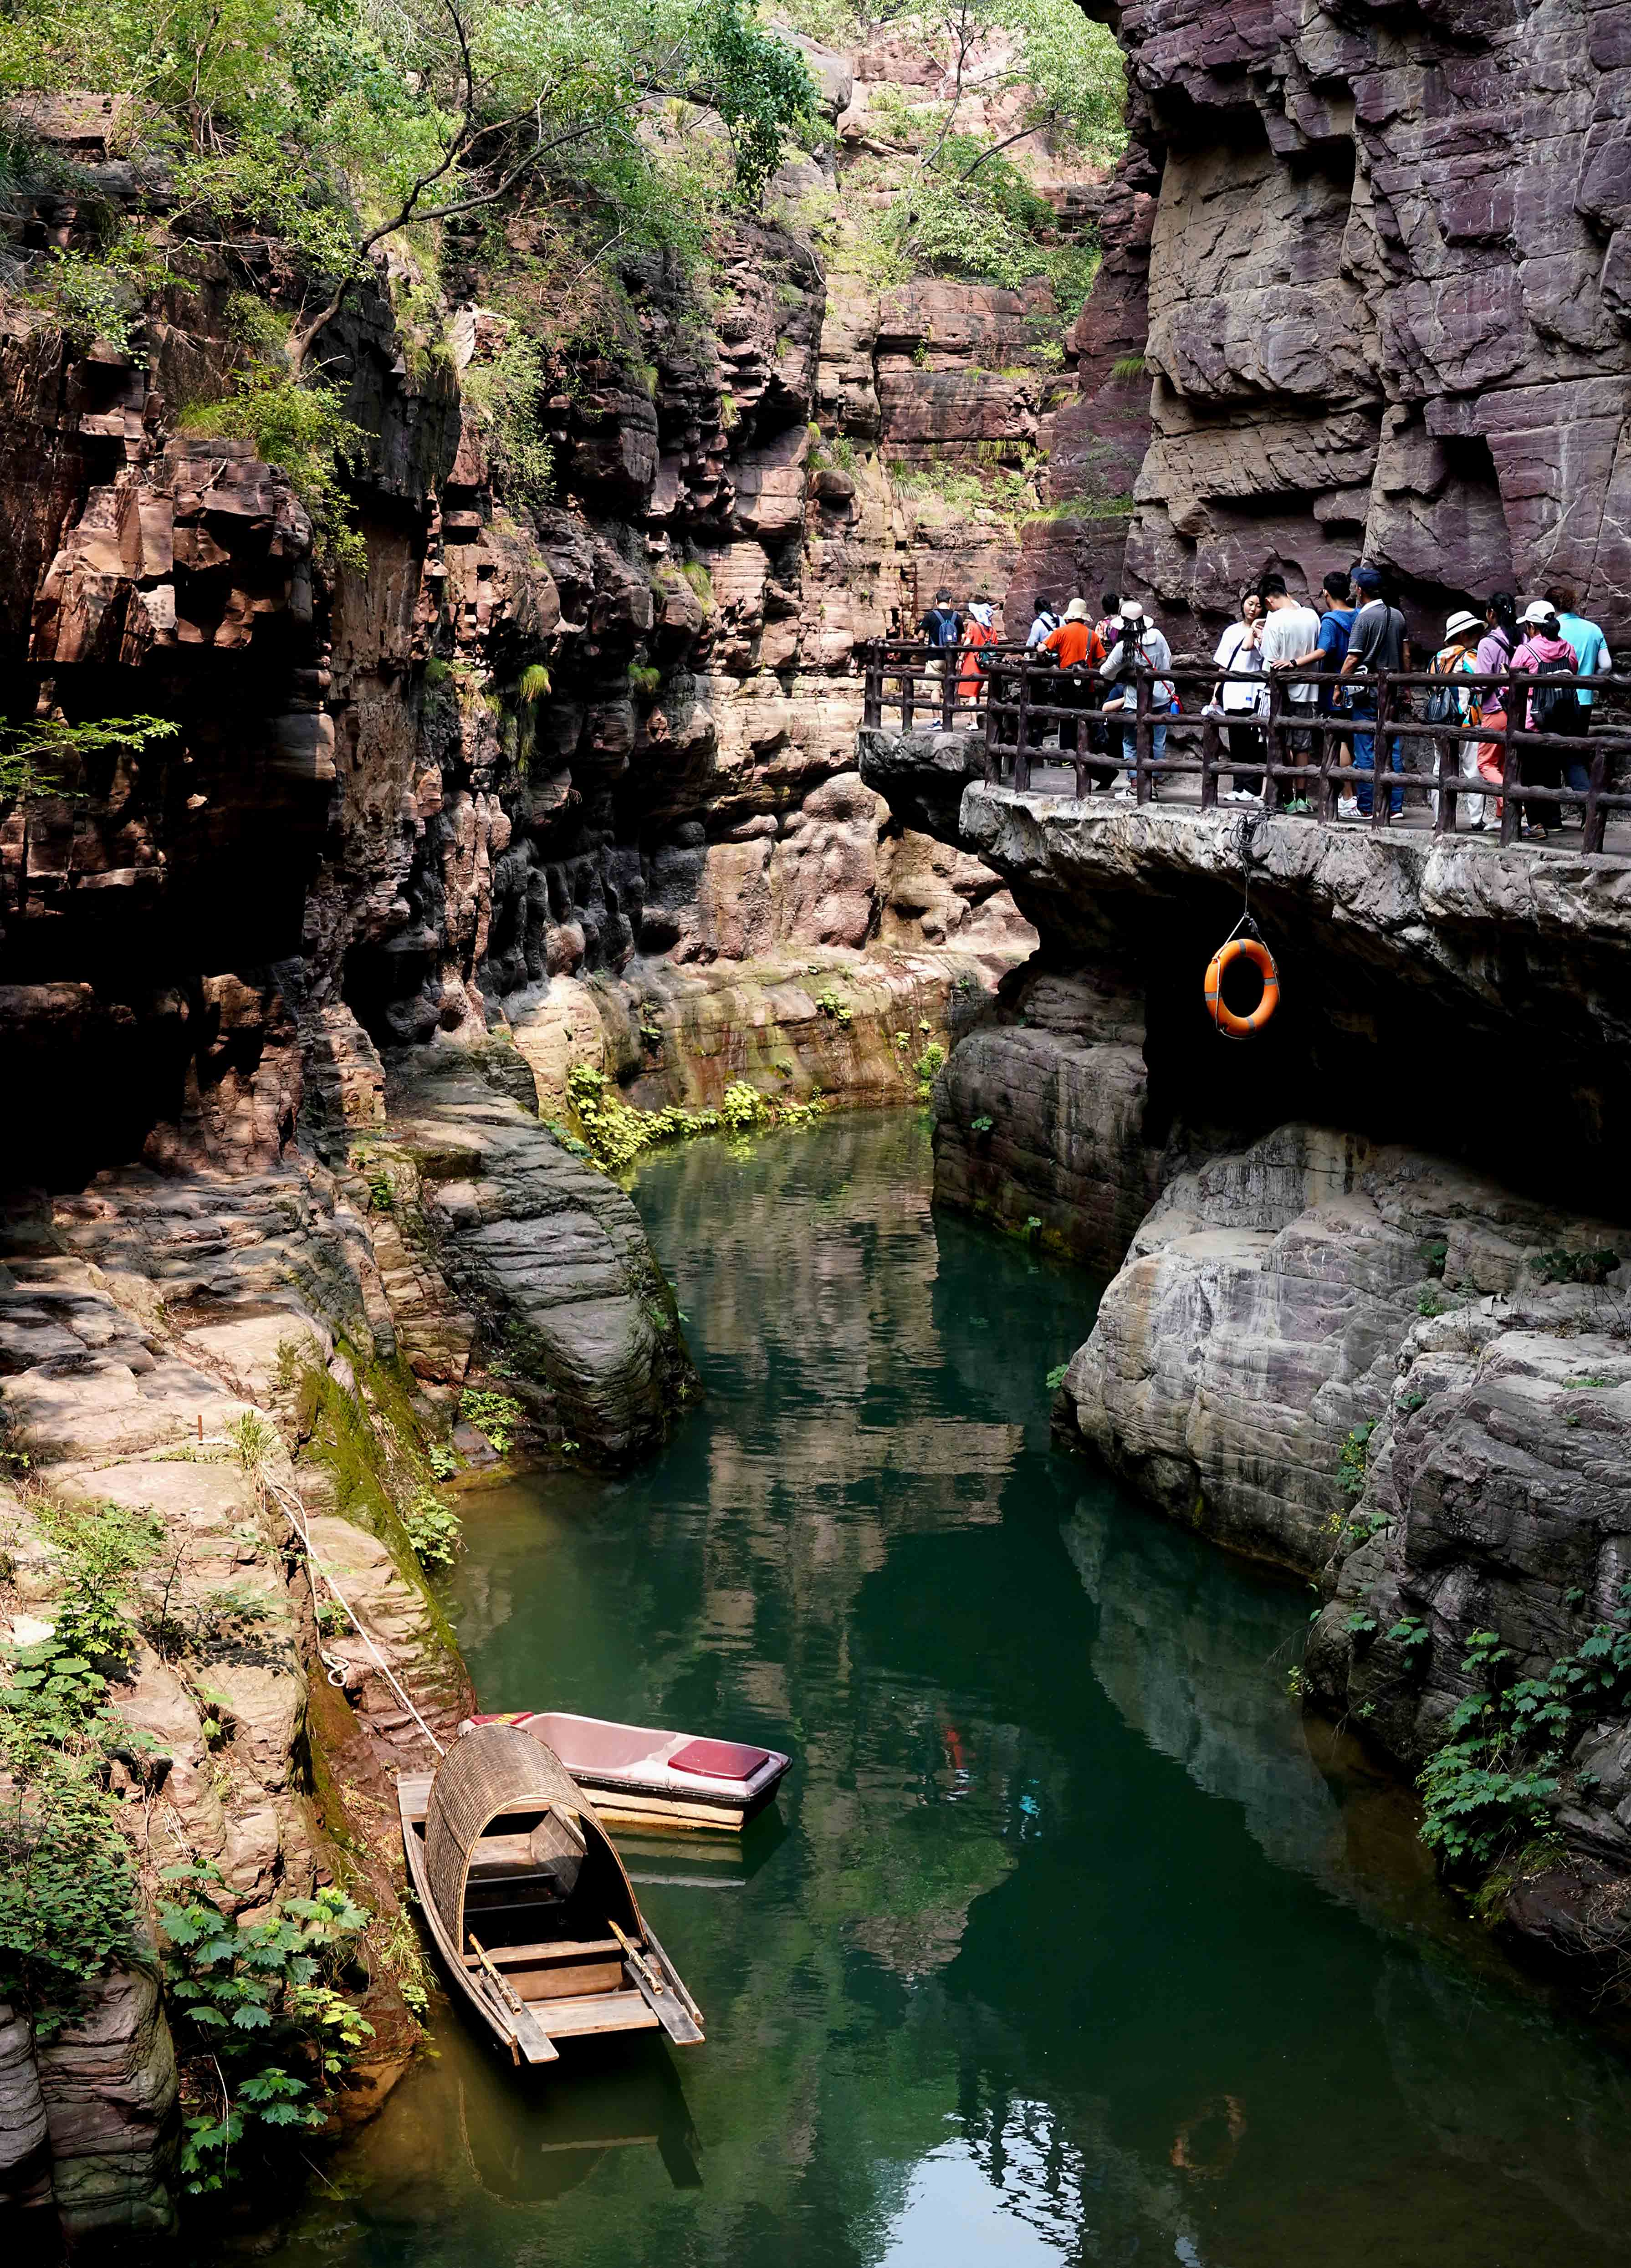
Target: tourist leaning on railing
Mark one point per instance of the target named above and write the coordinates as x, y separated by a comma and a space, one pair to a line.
1376, 641
1545, 709
1240, 698
1457, 705
1595, 660
1138, 640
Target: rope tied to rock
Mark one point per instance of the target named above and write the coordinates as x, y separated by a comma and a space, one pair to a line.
294, 1513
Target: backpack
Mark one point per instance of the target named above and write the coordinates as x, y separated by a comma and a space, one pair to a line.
943, 626
1557, 707
1443, 703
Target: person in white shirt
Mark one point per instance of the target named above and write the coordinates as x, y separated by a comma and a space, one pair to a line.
1290, 633
1139, 640
1240, 696
1046, 622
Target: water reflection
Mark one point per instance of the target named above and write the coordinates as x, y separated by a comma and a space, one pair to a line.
1061, 1945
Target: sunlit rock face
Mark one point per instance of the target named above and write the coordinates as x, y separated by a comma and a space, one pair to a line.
1376, 266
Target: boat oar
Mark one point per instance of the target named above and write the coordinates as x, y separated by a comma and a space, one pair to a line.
635, 1958
507, 1992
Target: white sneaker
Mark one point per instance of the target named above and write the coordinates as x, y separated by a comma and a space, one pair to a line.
1347, 806
1125, 795
1242, 795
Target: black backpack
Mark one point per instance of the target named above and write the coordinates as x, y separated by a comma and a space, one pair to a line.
1557, 707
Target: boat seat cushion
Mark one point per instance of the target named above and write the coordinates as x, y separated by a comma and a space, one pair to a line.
720, 1759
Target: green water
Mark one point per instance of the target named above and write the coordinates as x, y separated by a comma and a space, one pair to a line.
1060, 1943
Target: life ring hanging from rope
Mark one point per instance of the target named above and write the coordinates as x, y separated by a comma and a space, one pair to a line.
1238, 949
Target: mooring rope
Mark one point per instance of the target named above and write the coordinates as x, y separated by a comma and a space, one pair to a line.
294, 1513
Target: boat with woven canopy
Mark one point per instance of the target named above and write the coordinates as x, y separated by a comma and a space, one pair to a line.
535, 1919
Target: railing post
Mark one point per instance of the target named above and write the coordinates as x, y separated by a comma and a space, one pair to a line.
1324, 796
1273, 742
1211, 744
1141, 733
1595, 821
1021, 745
948, 692
1381, 755
1443, 792
991, 754
872, 700
908, 693
1512, 814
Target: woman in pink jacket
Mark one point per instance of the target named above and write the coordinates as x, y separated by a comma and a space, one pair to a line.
1543, 650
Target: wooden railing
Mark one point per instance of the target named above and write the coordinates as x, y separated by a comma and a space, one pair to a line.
1014, 700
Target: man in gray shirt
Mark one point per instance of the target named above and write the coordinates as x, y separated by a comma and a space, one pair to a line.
1376, 641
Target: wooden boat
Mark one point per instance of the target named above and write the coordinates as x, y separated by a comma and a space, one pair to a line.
537, 1922
641, 1777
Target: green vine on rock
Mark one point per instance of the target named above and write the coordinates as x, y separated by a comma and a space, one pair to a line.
1491, 1786
264, 2030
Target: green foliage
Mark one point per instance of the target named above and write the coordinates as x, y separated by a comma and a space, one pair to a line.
927, 1068
645, 682
701, 582
1434, 1253
1128, 366
33, 757
533, 683
507, 398
495, 1415
1056, 1377
101, 1547
1432, 1303
742, 1107
92, 296
67, 1880
983, 1124
1354, 1463
262, 2000
833, 1004
302, 431
948, 226
252, 1441
442, 1461
1492, 1783
1410, 1633
759, 85
1564, 1267
434, 1532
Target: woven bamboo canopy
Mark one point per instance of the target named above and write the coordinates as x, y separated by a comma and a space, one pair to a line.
489, 1773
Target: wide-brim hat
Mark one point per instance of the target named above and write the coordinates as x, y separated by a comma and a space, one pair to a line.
1131, 611
1539, 610
1077, 611
1461, 620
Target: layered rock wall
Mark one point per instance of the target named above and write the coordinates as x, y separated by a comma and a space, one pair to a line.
1384, 254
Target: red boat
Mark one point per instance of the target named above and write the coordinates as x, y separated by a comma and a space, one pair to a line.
638, 1775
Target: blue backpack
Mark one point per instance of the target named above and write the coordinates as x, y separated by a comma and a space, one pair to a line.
942, 623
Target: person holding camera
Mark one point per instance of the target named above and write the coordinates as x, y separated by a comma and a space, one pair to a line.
1139, 642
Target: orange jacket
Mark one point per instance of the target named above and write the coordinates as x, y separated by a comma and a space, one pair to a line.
1075, 642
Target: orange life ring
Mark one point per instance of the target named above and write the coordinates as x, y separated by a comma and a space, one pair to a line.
1234, 1026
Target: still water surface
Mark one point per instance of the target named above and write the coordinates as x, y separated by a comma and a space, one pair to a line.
1060, 1945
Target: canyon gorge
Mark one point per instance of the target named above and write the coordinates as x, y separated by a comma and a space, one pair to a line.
500, 803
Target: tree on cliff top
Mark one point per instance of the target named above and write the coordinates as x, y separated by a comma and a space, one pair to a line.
333, 126
1055, 72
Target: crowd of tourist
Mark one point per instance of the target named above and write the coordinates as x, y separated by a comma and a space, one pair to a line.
1323, 654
